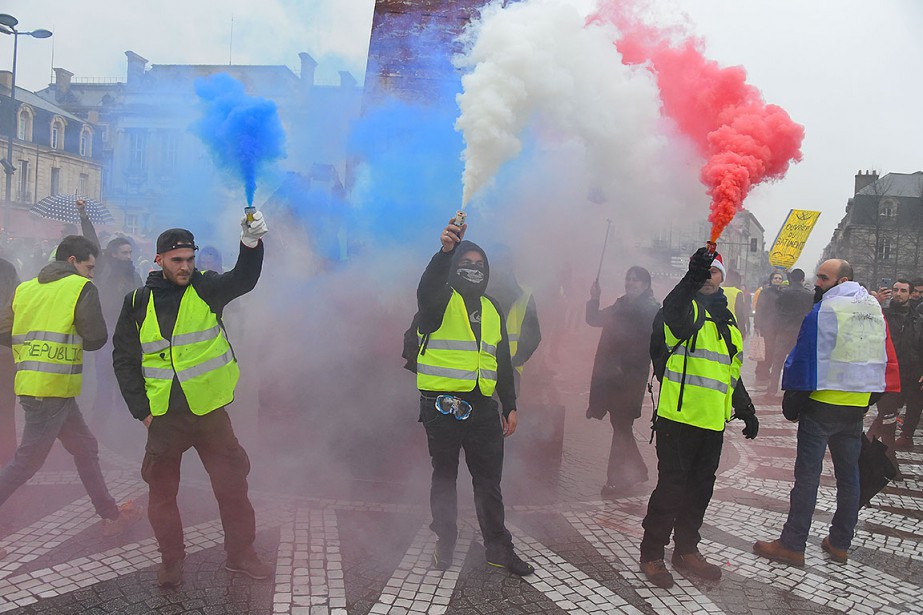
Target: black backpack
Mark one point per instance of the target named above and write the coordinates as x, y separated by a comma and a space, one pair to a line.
413, 344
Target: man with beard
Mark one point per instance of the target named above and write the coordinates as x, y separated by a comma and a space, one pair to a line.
177, 372
464, 357
700, 387
620, 372
829, 394
906, 327
916, 293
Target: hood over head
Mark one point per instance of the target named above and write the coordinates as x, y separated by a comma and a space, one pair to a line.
55, 270
468, 281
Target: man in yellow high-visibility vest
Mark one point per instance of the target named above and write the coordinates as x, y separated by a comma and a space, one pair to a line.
51, 321
464, 358
177, 372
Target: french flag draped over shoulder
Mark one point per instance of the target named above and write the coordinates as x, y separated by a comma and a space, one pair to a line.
844, 345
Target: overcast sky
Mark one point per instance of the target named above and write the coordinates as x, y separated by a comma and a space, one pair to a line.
848, 70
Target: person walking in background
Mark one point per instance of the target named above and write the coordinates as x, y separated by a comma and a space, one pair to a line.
620, 373
764, 322
700, 388
115, 276
463, 359
793, 303
906, 328
829, 398
177, 372
50, 322
9, 280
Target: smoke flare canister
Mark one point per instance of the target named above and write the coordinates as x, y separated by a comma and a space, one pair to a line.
459, 218
711, 247
249, 211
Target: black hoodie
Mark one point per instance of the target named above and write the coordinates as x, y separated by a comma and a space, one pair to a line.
216, 289
433, 296
88, 315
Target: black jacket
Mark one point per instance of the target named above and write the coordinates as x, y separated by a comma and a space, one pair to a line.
88, 315
216, 289
906, 327
433, 294
794, 302
622, 361
114, 278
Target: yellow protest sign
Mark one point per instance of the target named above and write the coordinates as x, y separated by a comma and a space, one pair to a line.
792, 236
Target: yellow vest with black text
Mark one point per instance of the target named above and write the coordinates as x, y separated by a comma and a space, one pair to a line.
198, 355
700, 376
451, 361
514, 322
46, 347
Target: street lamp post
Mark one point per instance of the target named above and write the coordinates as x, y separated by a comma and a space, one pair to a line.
8, 25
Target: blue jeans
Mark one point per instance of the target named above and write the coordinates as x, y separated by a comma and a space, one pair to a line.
48, 419
845, 442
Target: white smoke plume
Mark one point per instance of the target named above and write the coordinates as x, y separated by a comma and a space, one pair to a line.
537, 62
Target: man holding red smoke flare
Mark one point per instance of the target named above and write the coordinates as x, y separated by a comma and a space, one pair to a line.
177, 372
698, 347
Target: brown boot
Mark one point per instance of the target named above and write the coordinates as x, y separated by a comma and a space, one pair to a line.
696, 564
778, 552
837, 555
657, 573
170, 574
904, 443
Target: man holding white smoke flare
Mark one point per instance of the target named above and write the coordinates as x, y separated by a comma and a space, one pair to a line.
464, 357
177, 372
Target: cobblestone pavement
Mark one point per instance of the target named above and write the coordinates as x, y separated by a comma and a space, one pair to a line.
365, 547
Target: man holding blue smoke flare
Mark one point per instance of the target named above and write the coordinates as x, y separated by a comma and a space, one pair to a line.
177, 372
464, 357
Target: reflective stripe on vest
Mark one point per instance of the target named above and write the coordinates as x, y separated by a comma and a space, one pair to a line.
46, 347
198, 355
842, 398
452, 361
514, 322
710, 377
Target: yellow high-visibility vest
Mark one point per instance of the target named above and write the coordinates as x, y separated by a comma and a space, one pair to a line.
451, 359
46, 347
198, 355
514, 322
732, 293
703, 372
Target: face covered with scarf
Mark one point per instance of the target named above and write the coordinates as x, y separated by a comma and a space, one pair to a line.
470, 270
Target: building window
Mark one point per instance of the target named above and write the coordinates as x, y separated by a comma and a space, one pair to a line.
86, 142
24, 181
137, 144
887, 209
84, 184
884, 249
55, 180
131, 224
24, 125
57, 134
170, 145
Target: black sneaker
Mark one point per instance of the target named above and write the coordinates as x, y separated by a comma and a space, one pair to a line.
443, 555
512, 563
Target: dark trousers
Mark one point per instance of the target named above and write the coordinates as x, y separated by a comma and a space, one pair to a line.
57, 418
782, 344
481, 436
687, 459
7, 406
764, 368
626, 466
227, 464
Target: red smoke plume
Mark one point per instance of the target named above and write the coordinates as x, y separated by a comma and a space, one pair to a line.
744, 140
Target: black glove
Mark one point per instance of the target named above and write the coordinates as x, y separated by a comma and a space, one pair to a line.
751, 423
700, 265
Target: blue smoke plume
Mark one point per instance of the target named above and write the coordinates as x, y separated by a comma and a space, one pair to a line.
242, 132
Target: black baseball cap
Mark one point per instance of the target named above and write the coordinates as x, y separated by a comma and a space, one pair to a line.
174, 238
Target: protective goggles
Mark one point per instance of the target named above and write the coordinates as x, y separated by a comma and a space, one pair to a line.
449, 404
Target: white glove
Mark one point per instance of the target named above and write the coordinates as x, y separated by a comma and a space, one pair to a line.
252, 231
